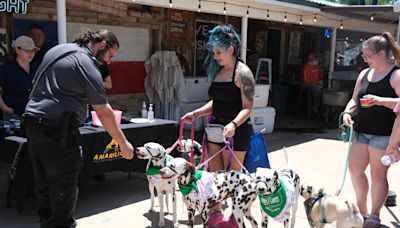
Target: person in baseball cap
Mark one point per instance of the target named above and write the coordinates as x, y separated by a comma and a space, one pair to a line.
26, 43
16, 79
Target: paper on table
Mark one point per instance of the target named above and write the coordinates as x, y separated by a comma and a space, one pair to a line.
141, 120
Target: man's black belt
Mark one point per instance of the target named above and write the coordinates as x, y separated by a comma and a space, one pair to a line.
41, 121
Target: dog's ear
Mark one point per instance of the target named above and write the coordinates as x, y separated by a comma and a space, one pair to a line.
275, 177
310, 189
161, 149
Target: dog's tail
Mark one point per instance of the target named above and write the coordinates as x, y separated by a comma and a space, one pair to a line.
289, 165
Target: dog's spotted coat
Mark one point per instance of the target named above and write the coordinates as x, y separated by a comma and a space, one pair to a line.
239, 186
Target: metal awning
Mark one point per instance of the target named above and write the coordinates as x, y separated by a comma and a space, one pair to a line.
382, 13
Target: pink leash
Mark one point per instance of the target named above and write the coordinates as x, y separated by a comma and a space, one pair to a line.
179, 141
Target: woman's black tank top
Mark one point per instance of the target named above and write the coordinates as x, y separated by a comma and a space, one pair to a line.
227, 100
375, 120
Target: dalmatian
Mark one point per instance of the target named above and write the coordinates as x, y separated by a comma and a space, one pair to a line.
322, 209
202, 190
269, 186
158, 157
186, 145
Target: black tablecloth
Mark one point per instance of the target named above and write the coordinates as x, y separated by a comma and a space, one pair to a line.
100, 153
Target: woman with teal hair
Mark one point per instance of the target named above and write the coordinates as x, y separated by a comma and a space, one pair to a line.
231, 98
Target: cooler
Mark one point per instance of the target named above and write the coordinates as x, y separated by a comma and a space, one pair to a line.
263, 118
200, 122
261, 93
196, 89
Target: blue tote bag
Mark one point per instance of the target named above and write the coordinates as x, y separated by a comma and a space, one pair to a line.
257, 154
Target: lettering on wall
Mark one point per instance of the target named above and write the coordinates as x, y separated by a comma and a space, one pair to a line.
202, 28
3, 46
177, 25
14, 6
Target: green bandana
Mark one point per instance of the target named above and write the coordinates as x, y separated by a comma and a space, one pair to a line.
186, 189
274, 203
152, 170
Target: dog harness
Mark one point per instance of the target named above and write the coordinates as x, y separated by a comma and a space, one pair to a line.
152, 170
204, 186
309, 204
186, 189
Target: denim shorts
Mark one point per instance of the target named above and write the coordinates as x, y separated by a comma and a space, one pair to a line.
376, 141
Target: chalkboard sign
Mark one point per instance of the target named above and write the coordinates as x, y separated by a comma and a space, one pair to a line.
202, 35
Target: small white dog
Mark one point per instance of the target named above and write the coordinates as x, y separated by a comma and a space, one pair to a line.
158, 157
269, 185
322, 209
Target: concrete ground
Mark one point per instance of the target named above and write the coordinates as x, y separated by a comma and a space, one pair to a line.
118, 202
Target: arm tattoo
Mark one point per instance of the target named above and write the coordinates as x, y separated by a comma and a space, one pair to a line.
248, 87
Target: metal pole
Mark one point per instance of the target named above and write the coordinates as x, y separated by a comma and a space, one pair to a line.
61, 22
398, 30
244, 38
332, 60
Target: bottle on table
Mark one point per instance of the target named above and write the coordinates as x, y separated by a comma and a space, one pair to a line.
144, 110
150, 114
389, 159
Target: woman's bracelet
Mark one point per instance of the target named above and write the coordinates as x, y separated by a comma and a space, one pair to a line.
236, 126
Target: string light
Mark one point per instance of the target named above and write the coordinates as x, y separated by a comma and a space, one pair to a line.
224, 8
199, 9
372, 17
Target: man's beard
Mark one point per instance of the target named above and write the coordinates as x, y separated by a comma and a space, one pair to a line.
100, 54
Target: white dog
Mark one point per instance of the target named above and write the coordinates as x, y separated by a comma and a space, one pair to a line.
158, 157
202, 190
270, 185
322, 209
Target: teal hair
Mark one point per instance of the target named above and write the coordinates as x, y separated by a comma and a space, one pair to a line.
222, 36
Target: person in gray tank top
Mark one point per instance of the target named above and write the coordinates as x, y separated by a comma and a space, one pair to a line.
65, 83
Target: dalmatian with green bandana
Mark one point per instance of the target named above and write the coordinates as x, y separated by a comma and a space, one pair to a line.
158, 158
278, 193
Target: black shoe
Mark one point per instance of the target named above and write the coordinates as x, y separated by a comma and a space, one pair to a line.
99, 177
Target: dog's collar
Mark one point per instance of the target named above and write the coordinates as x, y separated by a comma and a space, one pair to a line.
309, 204
266, 184
186, 189
154, 170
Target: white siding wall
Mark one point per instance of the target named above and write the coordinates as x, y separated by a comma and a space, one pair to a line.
134, 42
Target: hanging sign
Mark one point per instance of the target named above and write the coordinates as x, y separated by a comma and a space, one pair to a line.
14, 6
